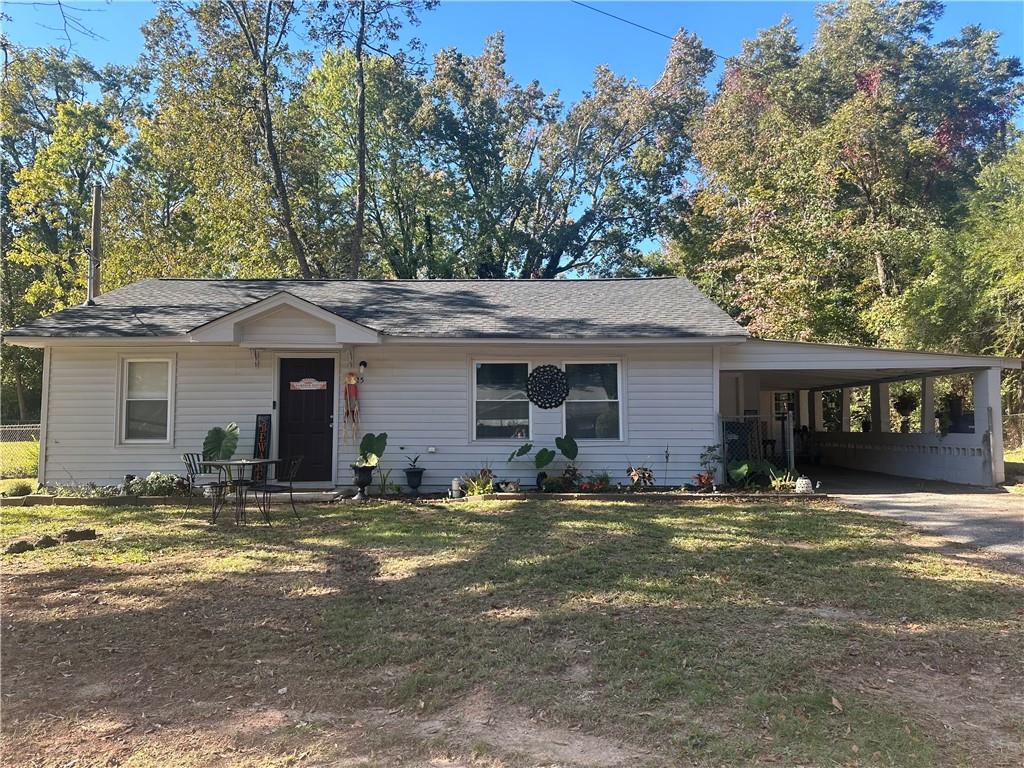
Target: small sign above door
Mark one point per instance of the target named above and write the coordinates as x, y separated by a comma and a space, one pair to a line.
305, 384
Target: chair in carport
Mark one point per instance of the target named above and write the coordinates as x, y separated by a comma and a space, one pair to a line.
284, 482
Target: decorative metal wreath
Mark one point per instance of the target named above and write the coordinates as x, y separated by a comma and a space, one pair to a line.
547, 386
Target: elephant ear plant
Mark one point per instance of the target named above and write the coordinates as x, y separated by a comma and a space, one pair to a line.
567, 446
220, 444
371, 448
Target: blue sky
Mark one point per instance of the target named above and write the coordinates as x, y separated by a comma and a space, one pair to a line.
555, 42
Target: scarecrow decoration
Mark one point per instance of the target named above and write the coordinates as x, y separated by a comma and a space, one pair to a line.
351, 395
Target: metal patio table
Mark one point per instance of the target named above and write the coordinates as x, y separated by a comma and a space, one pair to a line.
233, 472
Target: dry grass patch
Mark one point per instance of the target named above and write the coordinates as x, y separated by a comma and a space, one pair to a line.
508, 634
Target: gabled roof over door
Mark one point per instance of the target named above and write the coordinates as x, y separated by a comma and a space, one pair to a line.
283, 319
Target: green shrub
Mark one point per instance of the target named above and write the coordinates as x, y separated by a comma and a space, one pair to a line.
87, 491
20, 488
156, 484
480, 483
747, 473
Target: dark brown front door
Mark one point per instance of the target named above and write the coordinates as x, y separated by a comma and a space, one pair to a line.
307, 415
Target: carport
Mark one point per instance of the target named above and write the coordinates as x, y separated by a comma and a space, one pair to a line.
771, 404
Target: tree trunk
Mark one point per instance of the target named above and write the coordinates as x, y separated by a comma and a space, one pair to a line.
357, 230
882, 271
280, 189
19, 388
261, 58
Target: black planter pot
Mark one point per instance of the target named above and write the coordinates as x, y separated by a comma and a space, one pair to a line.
414, 478
363, 477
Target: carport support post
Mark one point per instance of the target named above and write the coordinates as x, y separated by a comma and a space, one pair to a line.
988, 418
844, 416
880, 407
803, 401
816, 408
927, 404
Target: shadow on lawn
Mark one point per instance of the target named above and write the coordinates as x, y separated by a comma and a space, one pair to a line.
685, 611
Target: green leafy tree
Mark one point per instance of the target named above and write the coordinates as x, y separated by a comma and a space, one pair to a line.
409, 204
546, 190
225, 76
62, 128
829, 175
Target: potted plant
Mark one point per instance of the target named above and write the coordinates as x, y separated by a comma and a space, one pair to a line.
413, 476
904, 404
371, 448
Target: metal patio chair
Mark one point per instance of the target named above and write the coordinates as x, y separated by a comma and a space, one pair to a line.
284, 482
193, 470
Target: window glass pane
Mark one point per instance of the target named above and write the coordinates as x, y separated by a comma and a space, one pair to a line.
593, 381
147, 380
505, 419
592, 419
145, 420
501, 381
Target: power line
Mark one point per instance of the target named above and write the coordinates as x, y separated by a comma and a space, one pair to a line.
625, 21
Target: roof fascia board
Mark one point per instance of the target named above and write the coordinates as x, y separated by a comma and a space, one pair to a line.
608, 340
57, 341
226, 327
93, 341
987, 361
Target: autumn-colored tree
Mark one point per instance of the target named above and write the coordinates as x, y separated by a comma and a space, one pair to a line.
830, 174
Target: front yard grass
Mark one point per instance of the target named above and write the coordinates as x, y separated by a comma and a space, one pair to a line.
19, 459
1015, 469
528, 633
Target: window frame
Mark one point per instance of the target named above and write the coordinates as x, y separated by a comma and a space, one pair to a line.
121, 434
473, 363
619, 382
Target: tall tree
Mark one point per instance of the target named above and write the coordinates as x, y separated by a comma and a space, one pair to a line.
408, 200
56, 142
368, 25
233, 57
545, 190
830, 174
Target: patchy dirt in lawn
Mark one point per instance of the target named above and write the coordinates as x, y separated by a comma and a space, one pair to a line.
478, 718
140, 664
976, 705
511, 637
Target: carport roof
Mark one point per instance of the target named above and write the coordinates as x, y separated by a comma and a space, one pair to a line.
806, 365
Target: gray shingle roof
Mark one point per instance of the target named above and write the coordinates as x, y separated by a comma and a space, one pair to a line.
559, 309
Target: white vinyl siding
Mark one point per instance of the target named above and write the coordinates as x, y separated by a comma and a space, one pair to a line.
214, 387
421, 395
284, 327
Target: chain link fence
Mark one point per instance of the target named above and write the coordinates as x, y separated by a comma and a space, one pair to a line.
19, 450
1013, 431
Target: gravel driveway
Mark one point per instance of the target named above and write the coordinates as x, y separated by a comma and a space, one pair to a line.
987, 518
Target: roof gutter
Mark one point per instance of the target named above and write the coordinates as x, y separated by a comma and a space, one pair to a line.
109, 341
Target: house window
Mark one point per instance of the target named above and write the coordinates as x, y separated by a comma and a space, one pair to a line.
501, 406
146, 408
592, 409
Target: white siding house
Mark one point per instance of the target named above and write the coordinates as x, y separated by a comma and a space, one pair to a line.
138, 378
421, 396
